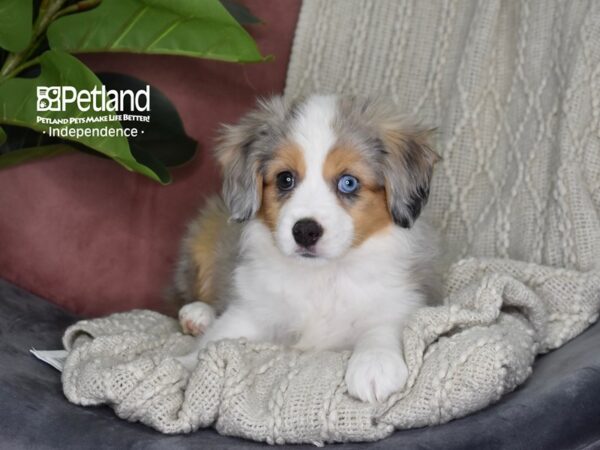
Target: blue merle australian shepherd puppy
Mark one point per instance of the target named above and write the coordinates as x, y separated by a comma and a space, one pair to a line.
315, 243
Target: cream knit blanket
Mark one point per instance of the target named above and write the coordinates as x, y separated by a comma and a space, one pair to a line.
515, 89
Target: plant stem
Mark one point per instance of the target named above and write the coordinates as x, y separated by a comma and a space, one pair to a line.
83, 5
25, 65
14, 62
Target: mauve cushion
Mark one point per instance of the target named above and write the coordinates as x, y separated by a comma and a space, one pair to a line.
557, 408
94, 238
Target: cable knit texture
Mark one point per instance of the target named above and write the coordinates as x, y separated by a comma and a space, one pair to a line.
514, 88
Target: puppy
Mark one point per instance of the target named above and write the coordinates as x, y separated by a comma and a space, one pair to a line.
315, 244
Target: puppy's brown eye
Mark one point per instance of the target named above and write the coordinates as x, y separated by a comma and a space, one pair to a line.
285, 181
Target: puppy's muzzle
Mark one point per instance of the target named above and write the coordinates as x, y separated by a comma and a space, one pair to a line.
307, 232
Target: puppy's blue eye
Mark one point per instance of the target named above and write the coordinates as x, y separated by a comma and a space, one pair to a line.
348, 184
285, 181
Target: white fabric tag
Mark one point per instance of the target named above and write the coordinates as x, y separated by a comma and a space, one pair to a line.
56, 358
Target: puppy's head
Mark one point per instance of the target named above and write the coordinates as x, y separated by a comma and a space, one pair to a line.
325, 173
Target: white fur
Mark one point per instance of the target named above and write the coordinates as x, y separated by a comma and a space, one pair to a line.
347, 297
196, 317
360, 301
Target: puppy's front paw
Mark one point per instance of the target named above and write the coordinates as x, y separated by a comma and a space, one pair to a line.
374, 375
196, 317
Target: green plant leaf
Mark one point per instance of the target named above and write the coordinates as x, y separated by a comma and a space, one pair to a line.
18, 106
2, 136
18, 138
202, 29
26, 154
21, 137
16, 23
162, 140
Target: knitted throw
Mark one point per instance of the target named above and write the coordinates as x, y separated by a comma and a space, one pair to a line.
514, 87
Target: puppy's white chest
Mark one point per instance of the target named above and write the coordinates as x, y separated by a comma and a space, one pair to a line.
335, 313
314, 307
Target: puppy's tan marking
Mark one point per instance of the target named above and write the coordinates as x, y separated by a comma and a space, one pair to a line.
204, 243
368, 209
370, 214
288, 157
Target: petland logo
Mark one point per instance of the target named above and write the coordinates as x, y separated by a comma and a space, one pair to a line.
102, 108
58, 98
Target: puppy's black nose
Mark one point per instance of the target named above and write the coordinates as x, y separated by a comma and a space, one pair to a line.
307, 232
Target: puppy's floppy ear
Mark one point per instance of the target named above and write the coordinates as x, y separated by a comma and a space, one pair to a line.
241, 179
408, 166
241, 151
